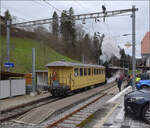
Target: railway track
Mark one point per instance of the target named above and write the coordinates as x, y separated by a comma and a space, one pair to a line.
19, 110
77, 117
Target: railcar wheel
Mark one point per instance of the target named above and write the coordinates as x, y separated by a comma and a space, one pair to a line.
146, 114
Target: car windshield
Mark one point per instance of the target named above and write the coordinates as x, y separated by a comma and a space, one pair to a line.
145, 76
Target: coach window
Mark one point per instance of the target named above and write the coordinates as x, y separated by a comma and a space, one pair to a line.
102, 71
94, 71
76, 72
97, 71
89, 71
85, 71
81, 71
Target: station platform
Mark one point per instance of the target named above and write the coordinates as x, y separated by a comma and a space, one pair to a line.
116, 117
12, 102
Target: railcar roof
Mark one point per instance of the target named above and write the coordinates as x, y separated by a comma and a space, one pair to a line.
71, 64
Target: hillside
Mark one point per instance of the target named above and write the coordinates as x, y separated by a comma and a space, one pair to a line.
21, 54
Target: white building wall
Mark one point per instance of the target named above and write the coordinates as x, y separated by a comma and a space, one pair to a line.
4, 89
42, 78
146, 57
9, 88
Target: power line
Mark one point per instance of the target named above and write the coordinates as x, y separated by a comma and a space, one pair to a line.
35, 1
78, 17
21, 18
80, 5
51, 5
18, 16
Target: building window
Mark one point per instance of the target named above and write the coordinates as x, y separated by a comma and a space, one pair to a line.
85, 71
81, 71
89, 71
76, 72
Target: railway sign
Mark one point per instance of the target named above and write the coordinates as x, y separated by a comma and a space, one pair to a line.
9, 65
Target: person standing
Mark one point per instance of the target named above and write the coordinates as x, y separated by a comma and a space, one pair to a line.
119, 81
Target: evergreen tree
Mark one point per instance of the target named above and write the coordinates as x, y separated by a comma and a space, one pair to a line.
63, 25
122, 58
97, 42
55, 24
67, 26
7, 16
72, 26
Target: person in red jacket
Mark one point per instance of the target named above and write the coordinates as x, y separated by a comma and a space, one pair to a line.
54, 76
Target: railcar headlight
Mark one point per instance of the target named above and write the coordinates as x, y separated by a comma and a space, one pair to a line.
135, 99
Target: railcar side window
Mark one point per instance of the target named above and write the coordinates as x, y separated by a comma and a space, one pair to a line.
76, 72
97, 71
81, 71
85, 71
94, 71
89, 71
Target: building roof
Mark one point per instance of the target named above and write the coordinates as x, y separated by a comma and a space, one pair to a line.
6, 75
145, 44
70, 64
41, 71
116, 67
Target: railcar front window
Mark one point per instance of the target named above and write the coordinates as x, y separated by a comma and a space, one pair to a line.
76, 72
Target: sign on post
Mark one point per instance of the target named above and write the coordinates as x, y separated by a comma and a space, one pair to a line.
9, 65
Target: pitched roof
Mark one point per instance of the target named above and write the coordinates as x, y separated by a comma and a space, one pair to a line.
70, 64
145, 44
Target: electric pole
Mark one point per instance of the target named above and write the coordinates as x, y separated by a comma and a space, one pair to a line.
33, 70
8, 41
133, 47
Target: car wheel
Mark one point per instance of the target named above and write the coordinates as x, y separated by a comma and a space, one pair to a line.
144, 87
146, 114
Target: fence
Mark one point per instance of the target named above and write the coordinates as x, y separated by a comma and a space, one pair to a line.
9, 88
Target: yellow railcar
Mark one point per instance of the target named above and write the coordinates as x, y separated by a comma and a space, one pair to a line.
64, 77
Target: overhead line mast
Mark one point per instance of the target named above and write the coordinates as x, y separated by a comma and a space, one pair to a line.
76, 17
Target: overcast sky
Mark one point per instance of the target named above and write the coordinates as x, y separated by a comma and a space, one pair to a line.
114, 27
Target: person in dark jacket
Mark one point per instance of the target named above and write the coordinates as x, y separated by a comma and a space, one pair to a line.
119, 81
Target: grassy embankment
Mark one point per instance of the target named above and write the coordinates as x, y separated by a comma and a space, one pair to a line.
21, 54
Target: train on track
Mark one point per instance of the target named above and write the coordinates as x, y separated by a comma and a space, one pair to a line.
65, 77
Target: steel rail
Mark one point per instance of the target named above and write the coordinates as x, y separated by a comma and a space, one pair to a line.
79, 109
21, 109
74, 112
